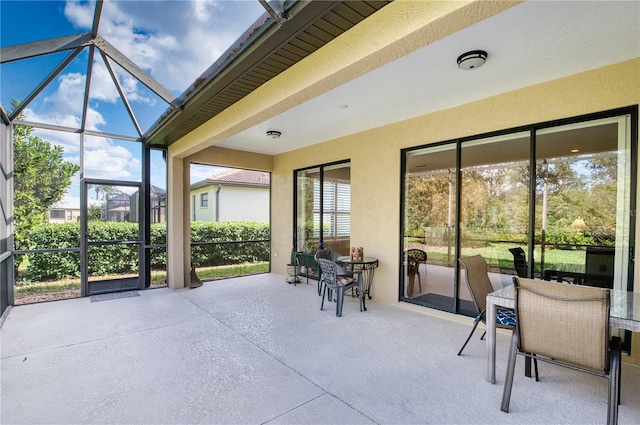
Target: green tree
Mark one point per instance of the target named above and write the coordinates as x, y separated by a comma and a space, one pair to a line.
41, 178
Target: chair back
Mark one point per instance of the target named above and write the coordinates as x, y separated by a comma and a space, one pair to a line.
519, 261
566, 323
327, 254
329, 271
416, 256
477, 279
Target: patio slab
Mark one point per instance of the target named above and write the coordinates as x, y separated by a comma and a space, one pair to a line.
258, 350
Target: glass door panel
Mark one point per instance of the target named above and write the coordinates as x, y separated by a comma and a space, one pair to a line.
336, 208
308, 208
428, 227
494, 205
583, 195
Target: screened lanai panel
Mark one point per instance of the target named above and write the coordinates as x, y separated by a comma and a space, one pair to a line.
20, 78
6, 260
112, 159
61, 102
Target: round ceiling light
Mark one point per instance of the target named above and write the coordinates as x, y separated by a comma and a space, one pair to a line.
273, 134
472, 60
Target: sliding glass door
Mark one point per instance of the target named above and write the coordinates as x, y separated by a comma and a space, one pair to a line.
552, 201
429, 214
583, 202
323, 208
494, 205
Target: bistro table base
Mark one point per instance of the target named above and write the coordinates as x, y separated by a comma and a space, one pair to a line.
367, 266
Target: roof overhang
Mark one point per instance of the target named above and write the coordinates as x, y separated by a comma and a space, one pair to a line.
264, 51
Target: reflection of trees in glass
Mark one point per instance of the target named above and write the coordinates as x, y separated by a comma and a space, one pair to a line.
306, 214
495, 200
427, 202
581, 187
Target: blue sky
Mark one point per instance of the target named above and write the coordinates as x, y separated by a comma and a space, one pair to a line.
173, 41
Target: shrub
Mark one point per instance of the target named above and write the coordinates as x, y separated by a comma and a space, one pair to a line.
122, 258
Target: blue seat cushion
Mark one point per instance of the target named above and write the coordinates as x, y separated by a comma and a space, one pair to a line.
506, 317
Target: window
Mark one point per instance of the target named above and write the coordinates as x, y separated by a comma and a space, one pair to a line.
69, 215
323, 201
56, 214
204, 200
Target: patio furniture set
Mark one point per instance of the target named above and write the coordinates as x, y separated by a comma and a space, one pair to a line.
556, 322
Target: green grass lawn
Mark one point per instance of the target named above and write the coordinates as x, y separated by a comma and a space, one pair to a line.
157, 278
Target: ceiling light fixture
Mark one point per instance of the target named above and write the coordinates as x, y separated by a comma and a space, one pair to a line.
472, 60
273, 134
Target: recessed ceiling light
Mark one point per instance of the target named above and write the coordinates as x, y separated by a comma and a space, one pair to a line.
472, 60
273, 134
575, 150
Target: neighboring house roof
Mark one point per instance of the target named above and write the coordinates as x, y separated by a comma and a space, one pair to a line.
236, 178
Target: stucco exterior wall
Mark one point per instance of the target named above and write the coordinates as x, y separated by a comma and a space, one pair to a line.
244, 204
375, 157
236, 203
197, 211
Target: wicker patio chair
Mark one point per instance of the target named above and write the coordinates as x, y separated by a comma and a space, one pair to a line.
567, 325
332, 281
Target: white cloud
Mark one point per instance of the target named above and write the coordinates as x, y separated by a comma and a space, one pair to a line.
111, 162
175, 41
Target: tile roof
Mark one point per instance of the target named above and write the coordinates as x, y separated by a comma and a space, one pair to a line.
242, 177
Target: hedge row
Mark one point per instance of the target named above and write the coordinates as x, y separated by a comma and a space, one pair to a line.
123, 258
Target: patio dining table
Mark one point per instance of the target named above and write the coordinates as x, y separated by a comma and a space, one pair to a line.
624, 314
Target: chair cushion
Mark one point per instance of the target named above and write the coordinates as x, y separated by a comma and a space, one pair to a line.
506, 317
342, 280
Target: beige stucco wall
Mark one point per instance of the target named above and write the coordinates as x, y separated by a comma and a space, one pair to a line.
375, 156
237, 203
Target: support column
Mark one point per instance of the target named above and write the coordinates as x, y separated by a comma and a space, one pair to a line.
178, 227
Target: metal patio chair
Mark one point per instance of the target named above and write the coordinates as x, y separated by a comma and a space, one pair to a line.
415, 257
331, 280
479, 284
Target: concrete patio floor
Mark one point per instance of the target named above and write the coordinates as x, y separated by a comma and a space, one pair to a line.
256, 350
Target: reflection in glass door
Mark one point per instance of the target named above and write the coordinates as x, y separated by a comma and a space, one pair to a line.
583, 202
494, 206
429, 214
323, 201
111, 240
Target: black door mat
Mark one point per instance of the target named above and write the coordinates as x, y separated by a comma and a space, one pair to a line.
114, 296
